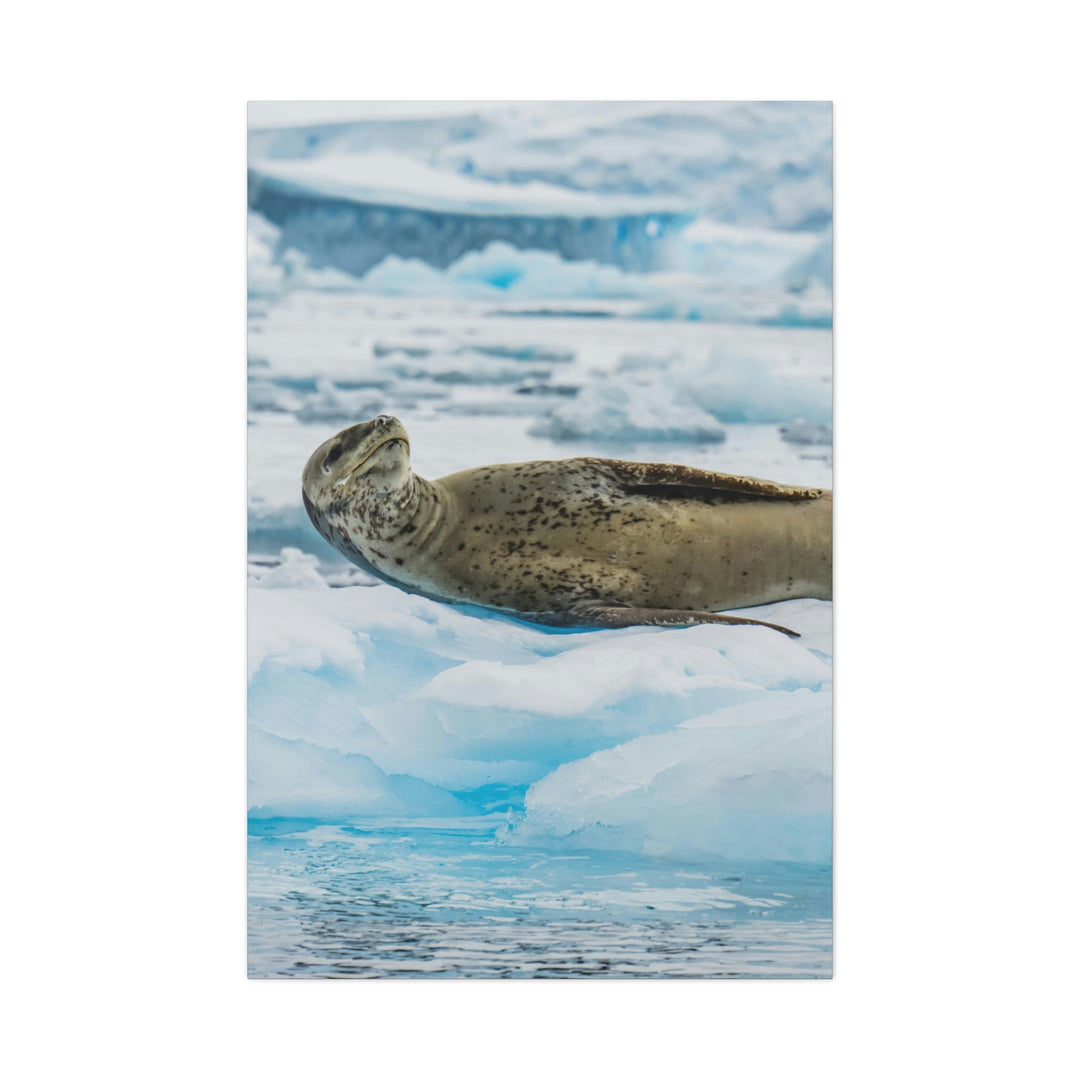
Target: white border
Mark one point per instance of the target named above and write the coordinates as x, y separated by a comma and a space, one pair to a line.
956, 378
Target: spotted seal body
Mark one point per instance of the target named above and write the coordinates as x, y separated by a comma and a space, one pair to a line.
580, 542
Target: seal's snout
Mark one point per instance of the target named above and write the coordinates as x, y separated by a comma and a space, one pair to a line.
380, 445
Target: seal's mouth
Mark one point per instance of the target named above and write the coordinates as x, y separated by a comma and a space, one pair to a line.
371, 453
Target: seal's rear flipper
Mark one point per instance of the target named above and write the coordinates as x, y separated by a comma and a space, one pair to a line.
598, 614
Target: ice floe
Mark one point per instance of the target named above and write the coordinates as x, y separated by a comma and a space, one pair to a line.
628, 411
752, 780
369, 686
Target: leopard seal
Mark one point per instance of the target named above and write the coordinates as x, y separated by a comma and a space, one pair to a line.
586, 542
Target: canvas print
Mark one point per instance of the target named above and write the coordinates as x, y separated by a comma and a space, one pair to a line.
540, 539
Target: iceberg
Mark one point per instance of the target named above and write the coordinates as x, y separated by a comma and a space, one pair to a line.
388, 179
352, 224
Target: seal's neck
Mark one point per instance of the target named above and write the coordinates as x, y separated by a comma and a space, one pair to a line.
412, 512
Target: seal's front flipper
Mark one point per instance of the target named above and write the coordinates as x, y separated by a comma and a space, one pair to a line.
612, 616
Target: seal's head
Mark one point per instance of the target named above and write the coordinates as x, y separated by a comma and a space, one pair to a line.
363, 470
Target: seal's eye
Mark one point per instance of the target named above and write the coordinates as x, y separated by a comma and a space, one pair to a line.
330, 458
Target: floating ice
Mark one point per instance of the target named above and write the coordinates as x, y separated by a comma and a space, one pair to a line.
801, 433
272, 270
748, 290
292, 778
745, 281
266, 395
299, 274
294, 570
751, 780
460, 367
366, 686
610, 411
333, 404
264, 275
738, 255
501, 271
815, 267
684, 398
741, 389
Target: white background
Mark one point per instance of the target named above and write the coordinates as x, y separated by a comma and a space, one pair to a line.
123, 438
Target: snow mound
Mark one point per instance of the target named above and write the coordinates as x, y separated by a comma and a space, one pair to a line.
610, 411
